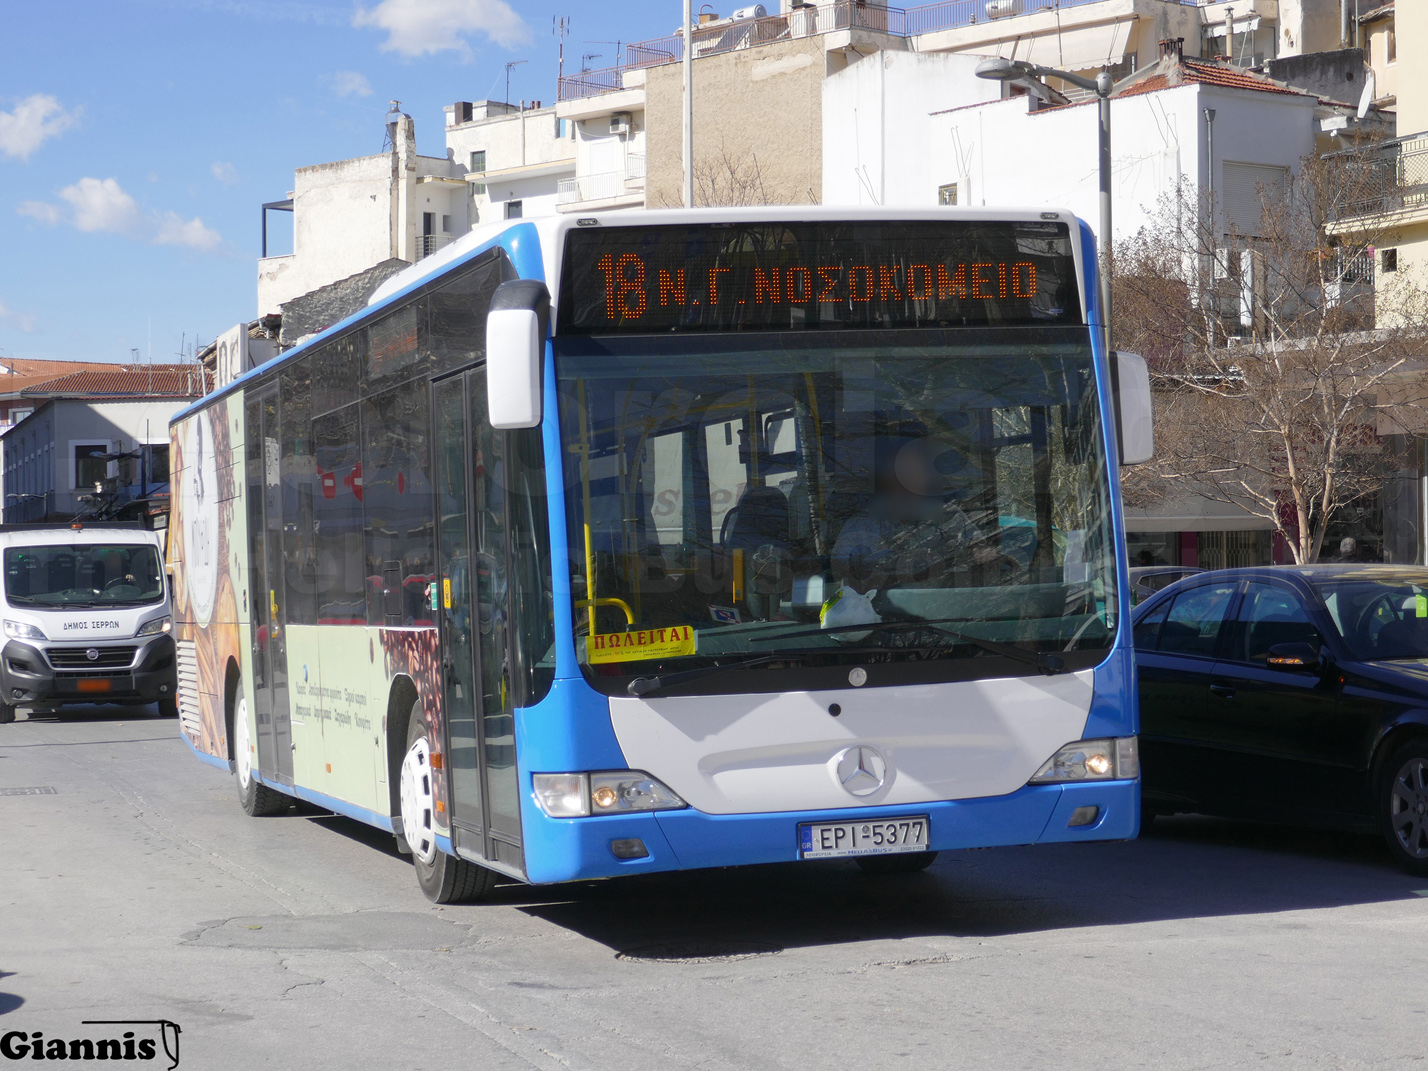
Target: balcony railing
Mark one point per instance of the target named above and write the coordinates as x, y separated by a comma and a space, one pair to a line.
809, 21
605, 185
427, 244
1386, 179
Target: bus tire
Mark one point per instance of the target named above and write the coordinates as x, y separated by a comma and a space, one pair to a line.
444, 879
256, 798
903, 863
7, 713
168, 707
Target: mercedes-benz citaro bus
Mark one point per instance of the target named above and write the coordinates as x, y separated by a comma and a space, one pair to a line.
647, 541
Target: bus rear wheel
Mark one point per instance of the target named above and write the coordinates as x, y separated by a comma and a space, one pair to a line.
256, 798
444, 879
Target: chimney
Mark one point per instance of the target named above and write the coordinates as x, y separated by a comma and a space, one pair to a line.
1173, 46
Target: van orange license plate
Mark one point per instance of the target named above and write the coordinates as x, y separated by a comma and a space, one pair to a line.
91, 686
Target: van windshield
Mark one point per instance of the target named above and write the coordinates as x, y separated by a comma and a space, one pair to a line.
94, 574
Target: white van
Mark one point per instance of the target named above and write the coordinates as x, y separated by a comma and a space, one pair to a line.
85, 617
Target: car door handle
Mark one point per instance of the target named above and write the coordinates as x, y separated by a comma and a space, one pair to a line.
1223, 691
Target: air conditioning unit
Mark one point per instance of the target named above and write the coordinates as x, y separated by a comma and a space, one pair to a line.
1002, 9
620, 123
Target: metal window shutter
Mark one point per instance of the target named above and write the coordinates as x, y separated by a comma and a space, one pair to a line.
1243, 202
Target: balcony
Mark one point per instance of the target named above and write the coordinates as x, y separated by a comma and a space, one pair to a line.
1389, 180
427, 244
613, 189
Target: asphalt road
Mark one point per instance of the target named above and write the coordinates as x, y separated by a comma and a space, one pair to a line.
138, 889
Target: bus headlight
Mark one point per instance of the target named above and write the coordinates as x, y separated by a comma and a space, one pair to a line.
155, 627
18, 630
1117, 759
578, 795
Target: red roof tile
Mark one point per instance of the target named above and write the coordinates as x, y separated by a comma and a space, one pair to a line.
160, 381
1199, 72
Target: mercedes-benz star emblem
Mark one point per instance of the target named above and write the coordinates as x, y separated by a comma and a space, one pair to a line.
861, 770
92, 653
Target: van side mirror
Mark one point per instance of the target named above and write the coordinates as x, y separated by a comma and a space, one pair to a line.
515, 352
1135, 420
1293, 656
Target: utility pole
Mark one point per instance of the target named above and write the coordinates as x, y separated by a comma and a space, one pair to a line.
688, 104
560, 26
513, 63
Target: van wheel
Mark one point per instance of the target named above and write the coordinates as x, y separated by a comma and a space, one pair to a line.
256, 798
444, 879
7, 713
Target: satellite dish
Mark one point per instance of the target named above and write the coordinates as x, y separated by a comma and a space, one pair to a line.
1366, 97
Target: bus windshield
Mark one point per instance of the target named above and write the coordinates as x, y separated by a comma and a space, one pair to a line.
829, 500
88, 575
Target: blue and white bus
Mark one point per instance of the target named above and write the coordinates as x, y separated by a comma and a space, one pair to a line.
649, 541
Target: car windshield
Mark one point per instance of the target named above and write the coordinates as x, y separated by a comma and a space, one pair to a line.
88, 575
764, 497
1380, 617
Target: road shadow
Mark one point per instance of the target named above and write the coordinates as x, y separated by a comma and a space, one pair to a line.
9, 1001
1189, 867
93, 712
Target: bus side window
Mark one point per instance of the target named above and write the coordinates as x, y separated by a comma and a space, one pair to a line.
531, 593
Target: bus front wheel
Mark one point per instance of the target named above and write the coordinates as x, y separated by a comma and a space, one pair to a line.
256, 798
444, 879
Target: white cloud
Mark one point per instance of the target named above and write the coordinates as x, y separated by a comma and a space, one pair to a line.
173, 229
24, 321
40, 210
418, 27
351, 84
102, 206
34, 121
225, 172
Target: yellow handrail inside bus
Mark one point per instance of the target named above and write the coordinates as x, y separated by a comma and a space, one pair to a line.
590, 601
590, 604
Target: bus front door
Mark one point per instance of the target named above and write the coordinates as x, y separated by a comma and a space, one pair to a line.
472, 599
265, 589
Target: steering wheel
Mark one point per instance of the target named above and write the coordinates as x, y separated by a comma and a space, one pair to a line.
121, 581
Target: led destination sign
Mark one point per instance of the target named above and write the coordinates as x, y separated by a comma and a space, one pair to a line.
779, 276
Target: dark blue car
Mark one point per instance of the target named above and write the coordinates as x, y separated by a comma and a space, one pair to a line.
1290, 694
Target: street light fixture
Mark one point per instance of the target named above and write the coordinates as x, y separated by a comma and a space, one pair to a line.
998, 69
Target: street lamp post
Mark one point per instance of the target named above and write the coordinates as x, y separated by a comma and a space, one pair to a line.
1005, 70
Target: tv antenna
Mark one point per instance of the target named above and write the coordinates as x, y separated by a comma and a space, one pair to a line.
619, 48
513, 63
586, 58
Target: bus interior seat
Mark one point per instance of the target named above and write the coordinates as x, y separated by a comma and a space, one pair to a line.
759, 518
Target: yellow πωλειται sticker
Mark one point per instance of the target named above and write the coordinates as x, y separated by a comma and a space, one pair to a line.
1420, 605
642, 643
446, 592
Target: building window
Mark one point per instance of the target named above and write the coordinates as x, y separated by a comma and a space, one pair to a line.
478, 166
89, 467
947, 194
1391, 41
1390, 260
513, 210
157, 460
445, 224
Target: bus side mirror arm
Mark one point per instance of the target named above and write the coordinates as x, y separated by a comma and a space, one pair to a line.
1135, 420
515, 351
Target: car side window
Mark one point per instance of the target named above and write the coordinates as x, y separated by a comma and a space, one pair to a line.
1271, 615
1147, 631
1192, 626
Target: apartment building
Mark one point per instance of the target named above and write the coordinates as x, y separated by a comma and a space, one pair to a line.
514, 158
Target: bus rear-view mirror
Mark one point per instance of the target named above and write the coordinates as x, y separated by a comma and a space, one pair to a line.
1135, 423
515, 352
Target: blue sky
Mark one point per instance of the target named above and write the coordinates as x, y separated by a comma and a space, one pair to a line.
139, 137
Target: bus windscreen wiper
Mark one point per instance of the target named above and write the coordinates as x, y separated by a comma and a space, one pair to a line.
642, 686
1048, 664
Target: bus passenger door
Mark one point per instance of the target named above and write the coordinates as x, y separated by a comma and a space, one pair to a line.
472, 599
265, 589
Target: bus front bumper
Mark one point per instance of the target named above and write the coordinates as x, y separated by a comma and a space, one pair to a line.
570, 849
